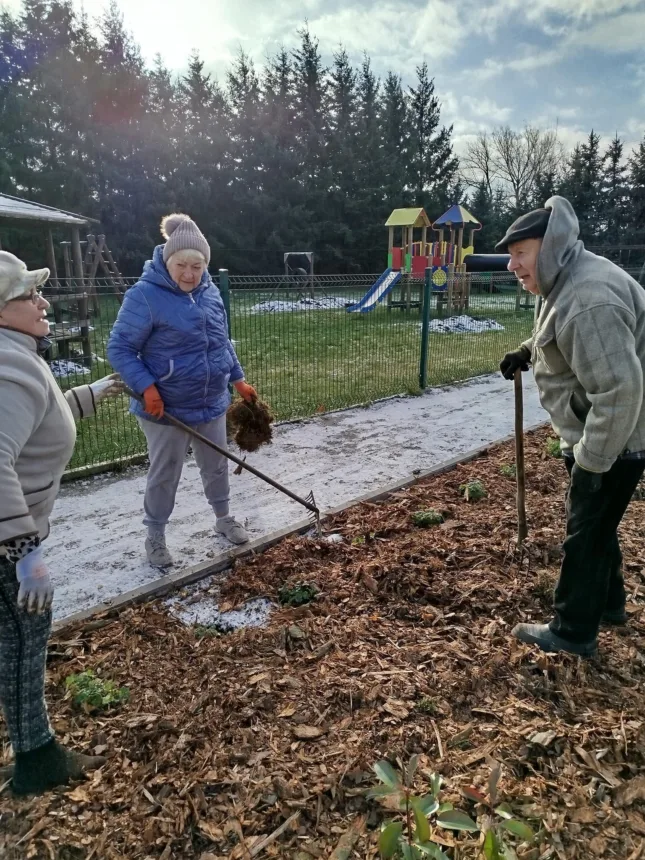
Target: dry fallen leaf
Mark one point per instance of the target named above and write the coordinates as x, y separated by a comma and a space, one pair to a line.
307, 733
289, 711
630, 791
78, 795
396, 709
598, 846
584, 815
544, 739
211, 831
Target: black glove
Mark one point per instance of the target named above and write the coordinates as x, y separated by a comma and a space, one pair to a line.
584, 480
511, 361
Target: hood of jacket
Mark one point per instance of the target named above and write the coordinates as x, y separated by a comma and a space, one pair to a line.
561, 246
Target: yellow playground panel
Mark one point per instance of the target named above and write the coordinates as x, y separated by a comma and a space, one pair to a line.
411, 251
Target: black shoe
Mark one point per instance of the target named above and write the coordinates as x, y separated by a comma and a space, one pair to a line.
39, 770
614, 618
547, 640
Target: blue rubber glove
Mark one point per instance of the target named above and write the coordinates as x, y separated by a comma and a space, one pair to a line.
36, 590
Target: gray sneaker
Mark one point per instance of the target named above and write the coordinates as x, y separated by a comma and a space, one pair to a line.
542, 636
157, 551
231, 529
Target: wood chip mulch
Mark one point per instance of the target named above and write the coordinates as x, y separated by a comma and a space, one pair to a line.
261, 742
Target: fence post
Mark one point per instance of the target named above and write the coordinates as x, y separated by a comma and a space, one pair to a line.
425, 325
226, 296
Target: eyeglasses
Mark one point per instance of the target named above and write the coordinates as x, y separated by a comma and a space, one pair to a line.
34, 296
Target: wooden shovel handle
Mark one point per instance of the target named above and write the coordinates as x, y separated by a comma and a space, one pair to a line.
522, 528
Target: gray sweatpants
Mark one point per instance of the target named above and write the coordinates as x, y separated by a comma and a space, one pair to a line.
23, 653
167, 449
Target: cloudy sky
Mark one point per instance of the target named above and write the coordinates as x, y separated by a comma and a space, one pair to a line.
577, 64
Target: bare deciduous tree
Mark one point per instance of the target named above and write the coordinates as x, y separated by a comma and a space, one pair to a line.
513, 161
477, 165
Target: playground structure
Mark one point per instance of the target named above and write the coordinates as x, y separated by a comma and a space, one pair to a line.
445, 256
450, 256
299, 270
415, 256
74, 298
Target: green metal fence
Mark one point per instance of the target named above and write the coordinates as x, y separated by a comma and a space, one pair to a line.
301, 348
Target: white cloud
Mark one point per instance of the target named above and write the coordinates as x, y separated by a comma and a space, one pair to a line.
526, 59
613, 35
486, 109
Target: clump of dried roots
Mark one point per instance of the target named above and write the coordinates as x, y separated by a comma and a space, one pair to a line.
249, 424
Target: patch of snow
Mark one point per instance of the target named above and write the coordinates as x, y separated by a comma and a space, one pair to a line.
201, 607
76, 329
463, 324
63, 367
324, 303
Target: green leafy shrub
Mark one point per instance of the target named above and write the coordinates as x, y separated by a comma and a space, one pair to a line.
425, 519
93, 693
553, 447
473, 491
411, 836
298, 594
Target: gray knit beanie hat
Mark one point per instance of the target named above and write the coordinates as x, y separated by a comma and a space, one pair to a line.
182, 234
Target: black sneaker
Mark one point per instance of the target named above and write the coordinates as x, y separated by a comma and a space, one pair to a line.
542, 636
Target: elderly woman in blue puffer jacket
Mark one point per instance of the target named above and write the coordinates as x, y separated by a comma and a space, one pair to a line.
170, 344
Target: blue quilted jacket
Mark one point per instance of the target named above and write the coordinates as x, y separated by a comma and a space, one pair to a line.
178, 341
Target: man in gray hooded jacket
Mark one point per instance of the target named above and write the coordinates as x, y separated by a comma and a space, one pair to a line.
588, 355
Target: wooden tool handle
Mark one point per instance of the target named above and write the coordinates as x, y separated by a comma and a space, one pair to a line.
522, 528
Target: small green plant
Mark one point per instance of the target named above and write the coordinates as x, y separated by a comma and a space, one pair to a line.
298, 594
361, 540
508, 470
473, 491
427, 706
425, 519
553, 447
95, 694
206, 631
499, 821
411, 838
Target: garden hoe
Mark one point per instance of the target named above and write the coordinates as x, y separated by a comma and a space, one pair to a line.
522, 528
309, 502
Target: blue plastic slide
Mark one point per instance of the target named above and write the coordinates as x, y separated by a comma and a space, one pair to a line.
376, 293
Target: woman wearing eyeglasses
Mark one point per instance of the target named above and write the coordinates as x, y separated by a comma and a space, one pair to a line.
37, 435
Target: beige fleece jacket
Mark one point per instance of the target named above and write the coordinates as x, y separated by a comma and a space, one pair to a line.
37, 435
588, 346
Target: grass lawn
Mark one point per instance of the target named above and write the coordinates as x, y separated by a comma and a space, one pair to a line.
311, 361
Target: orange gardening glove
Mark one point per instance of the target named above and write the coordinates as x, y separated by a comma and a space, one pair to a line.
246, 391
152, 402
